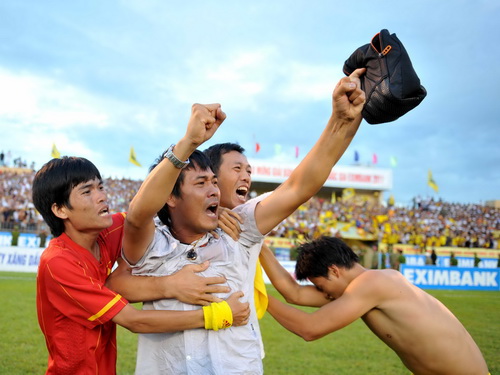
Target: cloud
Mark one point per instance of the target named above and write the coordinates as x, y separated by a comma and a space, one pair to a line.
309, 82
97, 80
236, 80
245, 79
28, 100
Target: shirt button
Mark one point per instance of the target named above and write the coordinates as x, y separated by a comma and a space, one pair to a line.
188, 357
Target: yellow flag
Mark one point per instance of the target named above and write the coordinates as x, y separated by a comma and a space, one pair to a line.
347, 194
260, 293
381, 218
391, 200
431, 182
55, 152
132, 158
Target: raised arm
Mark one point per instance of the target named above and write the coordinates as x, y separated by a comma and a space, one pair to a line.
157, 187
312, 172
184, 285
285, 284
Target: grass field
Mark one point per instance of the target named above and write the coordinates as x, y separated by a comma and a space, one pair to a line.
353, 350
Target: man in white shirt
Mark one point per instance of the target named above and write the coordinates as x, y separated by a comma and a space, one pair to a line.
183, 191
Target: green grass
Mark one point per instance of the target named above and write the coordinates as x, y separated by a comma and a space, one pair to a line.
353, 350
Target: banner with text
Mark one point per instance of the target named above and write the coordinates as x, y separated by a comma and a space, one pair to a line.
19, 259
434, 277
340, 176
444, 261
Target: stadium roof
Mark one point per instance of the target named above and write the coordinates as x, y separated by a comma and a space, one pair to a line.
357, 177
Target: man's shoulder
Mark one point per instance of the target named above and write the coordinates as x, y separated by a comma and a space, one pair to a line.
377, 281
54, 249
58, 254
250, 204
381, 276
162, 230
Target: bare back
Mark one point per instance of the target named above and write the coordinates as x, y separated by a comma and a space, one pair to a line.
427, 337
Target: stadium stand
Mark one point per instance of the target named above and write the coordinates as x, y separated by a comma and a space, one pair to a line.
424, 224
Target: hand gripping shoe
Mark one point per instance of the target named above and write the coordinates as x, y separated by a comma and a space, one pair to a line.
390, 83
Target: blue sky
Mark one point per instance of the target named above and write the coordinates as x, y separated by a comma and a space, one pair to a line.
97, 77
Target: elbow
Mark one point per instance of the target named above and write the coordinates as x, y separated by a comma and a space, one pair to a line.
131, 327
309, 338
129, 297
133, 221
136, 326
310, 335
137, 216
131, 319
291, 299
115, 284
109, 284
290, 291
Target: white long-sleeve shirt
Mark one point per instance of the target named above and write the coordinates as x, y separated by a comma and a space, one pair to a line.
235, 350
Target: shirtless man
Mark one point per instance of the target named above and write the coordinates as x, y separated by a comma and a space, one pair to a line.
425, 335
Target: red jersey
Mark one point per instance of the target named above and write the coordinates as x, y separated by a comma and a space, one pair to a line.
75, 308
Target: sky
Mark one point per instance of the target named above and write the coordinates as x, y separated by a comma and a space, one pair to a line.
96, 78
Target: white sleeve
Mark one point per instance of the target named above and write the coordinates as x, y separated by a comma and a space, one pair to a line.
250, 234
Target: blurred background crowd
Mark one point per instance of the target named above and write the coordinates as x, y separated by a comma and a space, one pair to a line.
424, 223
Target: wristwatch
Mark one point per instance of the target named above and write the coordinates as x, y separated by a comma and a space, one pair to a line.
169, 154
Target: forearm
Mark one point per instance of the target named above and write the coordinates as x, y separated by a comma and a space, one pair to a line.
314, 170
286, 285
293, 319
139, 288
309, 176
278, 275
184, 285
157, 187
151, 197
153, 321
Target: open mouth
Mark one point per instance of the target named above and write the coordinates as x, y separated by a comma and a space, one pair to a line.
242, 192
104, 211
212, 209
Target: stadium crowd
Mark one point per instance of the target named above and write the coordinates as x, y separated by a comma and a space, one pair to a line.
425, 223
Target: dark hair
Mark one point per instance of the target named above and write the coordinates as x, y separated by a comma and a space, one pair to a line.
215, 153
54, 182
197, 160
315, 257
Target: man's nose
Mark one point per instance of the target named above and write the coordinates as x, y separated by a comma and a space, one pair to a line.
245, 176
102, 196
214, 191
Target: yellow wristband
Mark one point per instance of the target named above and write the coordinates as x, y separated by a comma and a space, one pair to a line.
218, 315
207, 315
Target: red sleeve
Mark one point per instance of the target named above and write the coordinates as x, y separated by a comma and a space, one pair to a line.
74, 289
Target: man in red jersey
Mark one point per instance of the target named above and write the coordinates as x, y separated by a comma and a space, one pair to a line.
76, 312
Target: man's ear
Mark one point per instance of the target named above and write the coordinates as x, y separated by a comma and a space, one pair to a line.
172, 201
60, 211
333, 270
